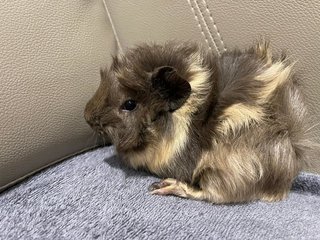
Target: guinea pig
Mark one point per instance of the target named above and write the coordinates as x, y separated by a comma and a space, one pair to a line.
223, 129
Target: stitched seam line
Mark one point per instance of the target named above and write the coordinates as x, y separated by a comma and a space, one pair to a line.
215, 25
198, 21
207, 27
113, 27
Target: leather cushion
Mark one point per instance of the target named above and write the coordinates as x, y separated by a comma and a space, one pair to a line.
51, 52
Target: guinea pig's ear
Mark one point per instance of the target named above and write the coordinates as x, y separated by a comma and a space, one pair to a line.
171, 86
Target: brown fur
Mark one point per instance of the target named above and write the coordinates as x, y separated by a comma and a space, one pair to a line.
221, 129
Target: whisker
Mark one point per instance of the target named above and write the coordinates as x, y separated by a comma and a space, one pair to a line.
90, 139
104, 141
96, 142
100, 140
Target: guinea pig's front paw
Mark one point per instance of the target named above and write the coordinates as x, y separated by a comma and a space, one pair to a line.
169, 186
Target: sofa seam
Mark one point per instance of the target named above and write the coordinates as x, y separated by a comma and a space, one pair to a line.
215, 25
207, 27
198, 21
115, 33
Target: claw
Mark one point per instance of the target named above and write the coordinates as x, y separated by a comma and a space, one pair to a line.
153, 186
167, 186
158, 185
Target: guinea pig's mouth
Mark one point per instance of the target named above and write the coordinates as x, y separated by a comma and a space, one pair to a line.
105, 136
98, 130
122, 140
110, 133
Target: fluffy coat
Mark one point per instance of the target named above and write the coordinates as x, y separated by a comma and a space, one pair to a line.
221, 129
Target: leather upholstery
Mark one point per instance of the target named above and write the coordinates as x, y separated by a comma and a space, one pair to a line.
51, 52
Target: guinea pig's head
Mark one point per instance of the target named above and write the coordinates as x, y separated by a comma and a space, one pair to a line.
136, 97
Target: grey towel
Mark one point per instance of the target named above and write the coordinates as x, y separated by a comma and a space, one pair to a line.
93, 196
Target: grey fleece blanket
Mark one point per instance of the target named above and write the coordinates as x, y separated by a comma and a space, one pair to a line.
93, 196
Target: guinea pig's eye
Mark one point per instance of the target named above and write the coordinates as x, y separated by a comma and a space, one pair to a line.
129, 105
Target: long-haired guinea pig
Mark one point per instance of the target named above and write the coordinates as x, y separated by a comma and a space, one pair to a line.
223, 129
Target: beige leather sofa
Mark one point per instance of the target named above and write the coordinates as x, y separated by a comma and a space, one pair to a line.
51, 52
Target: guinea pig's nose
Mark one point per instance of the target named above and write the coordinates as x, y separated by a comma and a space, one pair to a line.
92, 120
87, 117
94, 123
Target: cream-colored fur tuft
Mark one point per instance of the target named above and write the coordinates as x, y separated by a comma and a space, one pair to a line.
273, 77
237, 116
264, 51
